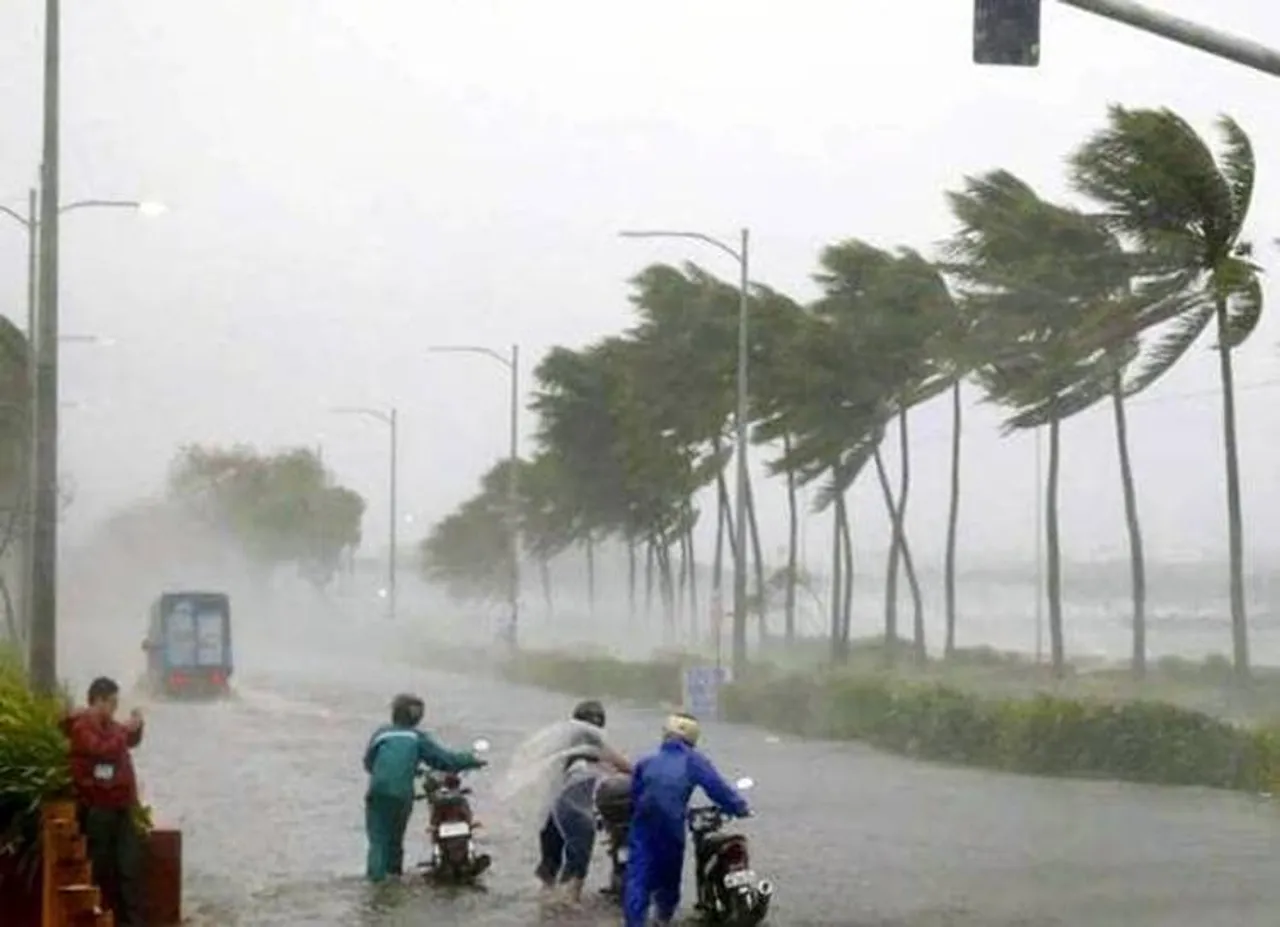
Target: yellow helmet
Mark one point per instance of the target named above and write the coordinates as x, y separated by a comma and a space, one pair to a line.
683, 726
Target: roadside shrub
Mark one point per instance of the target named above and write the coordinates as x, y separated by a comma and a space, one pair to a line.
1137, 741
651, 681
33, 758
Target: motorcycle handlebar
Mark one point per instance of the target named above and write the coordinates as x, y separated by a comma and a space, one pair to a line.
713, 811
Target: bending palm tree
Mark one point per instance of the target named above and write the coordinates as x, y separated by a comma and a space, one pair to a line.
1163, 188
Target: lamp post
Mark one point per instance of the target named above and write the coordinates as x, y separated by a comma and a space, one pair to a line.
390, 419
742, 256
41, 223
512, 363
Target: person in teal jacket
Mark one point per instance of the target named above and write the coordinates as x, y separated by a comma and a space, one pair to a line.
393, 756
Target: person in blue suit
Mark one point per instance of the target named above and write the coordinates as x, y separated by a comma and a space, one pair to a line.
661, 786
391, 759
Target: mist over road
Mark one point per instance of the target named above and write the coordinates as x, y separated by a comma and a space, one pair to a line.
267, 789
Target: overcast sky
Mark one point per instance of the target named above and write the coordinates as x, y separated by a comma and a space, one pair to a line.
351, 182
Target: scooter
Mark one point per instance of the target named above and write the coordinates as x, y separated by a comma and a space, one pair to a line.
451, 829
728, 891
613, 819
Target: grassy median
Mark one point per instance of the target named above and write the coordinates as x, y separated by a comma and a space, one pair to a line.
981, 709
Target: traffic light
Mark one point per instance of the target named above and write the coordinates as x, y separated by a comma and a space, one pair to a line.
1006, 32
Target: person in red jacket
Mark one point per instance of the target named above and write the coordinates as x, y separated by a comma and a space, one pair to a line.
102, 772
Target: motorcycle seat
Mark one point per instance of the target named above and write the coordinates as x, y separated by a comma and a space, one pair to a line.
713, 842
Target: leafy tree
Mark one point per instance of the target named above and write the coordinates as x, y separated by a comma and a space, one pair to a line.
467, 552
280, 508
1162, 188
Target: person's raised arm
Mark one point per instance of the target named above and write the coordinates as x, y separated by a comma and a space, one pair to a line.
435, 755
92, 739
708, 778
133, 730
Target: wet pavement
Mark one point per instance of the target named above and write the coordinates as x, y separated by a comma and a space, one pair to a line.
267, 790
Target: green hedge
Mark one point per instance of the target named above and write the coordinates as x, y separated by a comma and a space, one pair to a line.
33, 756
1138, 741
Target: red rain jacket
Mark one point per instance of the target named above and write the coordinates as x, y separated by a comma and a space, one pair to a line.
101, 768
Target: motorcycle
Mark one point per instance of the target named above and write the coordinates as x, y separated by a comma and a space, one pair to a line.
728, 891
613, 819
451, 828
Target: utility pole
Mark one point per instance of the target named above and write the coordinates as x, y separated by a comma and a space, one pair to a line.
44, 591
513, 499
392, 566
512, 517
742, 256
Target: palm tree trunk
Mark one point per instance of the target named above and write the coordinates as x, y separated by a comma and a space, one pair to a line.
693, 578
753, 526
1053, 547
717, 560
908, 566
891, 573
544, 572
793, 545
681, 582
648, 578
837, 575
666, 583
591, 573
846, 607
1137, 562
631, 578
726, 517
1235, 517
953, 520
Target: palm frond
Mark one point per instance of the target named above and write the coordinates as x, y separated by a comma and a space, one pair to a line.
1170, 348
1239, 168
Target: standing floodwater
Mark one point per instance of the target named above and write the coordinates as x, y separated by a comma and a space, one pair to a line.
268, 790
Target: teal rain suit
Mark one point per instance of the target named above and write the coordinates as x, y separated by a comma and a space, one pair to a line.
391, 760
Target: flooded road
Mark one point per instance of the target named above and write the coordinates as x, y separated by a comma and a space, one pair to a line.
267, 789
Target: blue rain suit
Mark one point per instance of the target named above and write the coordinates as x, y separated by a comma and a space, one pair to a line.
660, 790
391, 760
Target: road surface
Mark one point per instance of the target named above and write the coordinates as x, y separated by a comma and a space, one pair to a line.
267, 789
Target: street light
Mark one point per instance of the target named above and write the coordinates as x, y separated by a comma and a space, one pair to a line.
41, 223
388, 418
742, 256
512, 363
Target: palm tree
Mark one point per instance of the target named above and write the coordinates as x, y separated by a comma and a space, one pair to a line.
1162, 188
900, 306
833, 409
775, 321
1037, 277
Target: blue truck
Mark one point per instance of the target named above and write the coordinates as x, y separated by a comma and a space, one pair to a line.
188, 645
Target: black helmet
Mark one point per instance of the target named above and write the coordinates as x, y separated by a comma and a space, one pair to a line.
590, 711
406, 709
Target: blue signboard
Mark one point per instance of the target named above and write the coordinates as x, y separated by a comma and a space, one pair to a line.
702, 690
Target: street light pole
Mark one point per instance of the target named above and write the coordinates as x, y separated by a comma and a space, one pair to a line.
392, 592
512, 363
42, 654
44, 591
389, 418
1039, 547
742, 256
